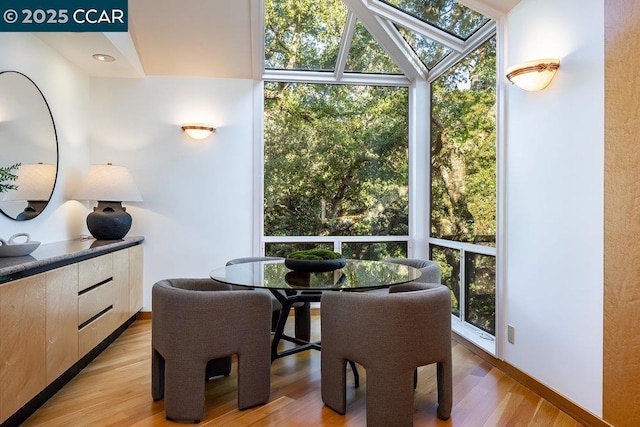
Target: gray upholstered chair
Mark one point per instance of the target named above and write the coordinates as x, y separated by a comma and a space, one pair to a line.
430, 272
302, 310
197, 325
430, 269
390, 335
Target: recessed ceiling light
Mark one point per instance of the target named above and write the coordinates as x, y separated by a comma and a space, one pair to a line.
102, 57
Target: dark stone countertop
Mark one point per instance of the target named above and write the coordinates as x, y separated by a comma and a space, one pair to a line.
52, 255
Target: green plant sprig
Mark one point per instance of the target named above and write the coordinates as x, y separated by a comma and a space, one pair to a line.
8, 175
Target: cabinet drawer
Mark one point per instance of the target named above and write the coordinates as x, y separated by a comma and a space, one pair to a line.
93, 333
95, 300
94, 271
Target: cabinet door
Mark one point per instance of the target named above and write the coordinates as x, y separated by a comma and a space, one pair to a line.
62, 320
135, 279
121, 285
22, 342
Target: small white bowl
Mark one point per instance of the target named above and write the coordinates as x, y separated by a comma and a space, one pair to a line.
11, 248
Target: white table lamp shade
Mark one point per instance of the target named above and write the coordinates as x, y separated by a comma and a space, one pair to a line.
35, 182
108, 183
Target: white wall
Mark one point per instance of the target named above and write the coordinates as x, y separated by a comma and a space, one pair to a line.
554, 200
67, 93
197, 211
198, 203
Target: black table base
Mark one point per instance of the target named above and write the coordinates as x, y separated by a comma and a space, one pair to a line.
288, 299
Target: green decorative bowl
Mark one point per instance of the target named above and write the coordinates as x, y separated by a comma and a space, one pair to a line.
314, 266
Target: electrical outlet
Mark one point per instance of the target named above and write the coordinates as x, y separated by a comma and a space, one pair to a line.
511, 332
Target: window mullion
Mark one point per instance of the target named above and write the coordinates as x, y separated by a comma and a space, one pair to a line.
345, 45
385, 38
462, 303
325, 77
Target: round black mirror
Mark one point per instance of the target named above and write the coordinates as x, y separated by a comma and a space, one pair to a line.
29, 147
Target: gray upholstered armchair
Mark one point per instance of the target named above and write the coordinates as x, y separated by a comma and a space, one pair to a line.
390, 335
430, 269
197, 325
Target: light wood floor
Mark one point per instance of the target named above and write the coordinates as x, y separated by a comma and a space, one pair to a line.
115, 390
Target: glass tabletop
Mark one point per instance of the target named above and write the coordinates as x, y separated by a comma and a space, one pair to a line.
356, 274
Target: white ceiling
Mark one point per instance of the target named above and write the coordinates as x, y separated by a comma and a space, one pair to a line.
193, 37
207, 38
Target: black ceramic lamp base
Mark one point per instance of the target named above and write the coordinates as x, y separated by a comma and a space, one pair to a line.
109, 221
33, 209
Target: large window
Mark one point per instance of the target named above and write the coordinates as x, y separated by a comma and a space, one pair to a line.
463, 184
341, 78
336, 164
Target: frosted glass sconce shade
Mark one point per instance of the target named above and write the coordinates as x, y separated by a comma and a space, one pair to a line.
533, 75
198, 130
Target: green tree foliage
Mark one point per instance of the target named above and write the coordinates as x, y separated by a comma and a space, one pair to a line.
463, 141
335, 160
367, 56
303, 34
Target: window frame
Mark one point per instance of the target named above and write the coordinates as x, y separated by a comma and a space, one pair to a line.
337, 240
492, 344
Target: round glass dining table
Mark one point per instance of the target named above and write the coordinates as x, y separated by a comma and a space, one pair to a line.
290, 287
355, 275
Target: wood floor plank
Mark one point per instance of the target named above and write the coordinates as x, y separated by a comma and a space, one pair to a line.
115, 390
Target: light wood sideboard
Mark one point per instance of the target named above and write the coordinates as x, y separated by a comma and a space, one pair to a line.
58, 312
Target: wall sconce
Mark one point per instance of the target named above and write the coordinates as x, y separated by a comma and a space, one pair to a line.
34, 185
198, 130
533, 75
109, 185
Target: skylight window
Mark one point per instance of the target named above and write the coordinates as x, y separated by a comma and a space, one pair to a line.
299, 37
447, 15
390, 42
429, 52
367, 56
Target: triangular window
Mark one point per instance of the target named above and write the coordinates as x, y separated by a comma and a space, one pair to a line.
429, 52
306, 39
367, 56
446, 15
345, 40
